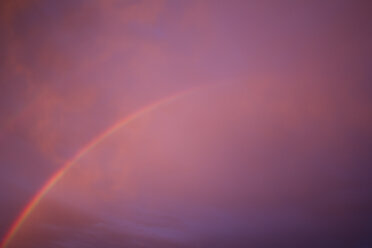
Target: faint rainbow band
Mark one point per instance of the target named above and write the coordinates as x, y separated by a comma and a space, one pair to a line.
17, 224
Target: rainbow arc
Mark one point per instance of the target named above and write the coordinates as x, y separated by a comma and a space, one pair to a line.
34, 202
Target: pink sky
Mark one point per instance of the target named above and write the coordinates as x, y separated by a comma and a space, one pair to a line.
271, 150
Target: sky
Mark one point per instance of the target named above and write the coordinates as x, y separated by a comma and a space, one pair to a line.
185, 123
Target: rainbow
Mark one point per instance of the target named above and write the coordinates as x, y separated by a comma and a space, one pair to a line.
17, 224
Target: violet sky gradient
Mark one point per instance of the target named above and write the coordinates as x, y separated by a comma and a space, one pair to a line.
273, 151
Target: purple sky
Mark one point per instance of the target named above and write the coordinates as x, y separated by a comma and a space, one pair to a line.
274, 150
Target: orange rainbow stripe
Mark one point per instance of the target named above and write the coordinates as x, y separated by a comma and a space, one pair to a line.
17, 224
